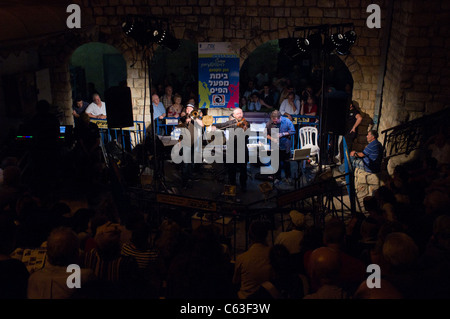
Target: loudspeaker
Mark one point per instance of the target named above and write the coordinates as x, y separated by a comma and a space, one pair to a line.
335, 113
119, 109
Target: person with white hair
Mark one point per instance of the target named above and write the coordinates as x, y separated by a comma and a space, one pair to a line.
97, 109
292, 238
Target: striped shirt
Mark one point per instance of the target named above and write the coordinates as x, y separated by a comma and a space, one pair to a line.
144, 258
115, 270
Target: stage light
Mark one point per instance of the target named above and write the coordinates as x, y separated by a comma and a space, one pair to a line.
337, 39
315, 41
165, 39
146, 30
303, 45
350, 37
136, 28
349, 40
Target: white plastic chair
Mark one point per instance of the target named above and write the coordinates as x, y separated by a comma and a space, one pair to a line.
309, 138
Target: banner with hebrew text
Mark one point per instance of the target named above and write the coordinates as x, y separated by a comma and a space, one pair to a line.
218, 74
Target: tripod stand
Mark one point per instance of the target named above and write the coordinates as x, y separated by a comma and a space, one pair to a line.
158, 181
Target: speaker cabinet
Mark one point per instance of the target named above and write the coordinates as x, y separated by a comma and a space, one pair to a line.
335, 113
119, 109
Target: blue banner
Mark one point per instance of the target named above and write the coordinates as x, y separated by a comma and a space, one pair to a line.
218, 74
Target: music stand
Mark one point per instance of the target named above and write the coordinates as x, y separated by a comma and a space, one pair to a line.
299, 156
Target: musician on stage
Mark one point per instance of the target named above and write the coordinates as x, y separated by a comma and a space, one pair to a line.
286, 130
189, 122
236, 120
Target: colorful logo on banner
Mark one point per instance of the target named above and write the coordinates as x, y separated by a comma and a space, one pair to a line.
218, 74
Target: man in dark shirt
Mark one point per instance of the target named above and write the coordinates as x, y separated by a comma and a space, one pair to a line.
354, 118
235, 119
79, 107
286, 129
352, 122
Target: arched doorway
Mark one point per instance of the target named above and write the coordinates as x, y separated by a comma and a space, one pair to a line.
95, 67
270, 63
177, 68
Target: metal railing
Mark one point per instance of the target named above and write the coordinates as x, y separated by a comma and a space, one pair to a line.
130, 136
167, 124
412, 135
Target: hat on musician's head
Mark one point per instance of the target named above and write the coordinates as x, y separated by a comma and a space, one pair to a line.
190, 105
297, 218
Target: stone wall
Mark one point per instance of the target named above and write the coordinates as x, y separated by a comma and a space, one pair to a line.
417, 80
250, 23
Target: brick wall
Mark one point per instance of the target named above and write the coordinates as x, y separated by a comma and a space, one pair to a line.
417, 75
417, 79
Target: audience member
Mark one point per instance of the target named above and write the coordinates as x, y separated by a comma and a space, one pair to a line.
159, 111
203, 270
50, 282
250, 89
167, 98
439, 147
370, 158
324, 267
267, 96
385, 291
252, 267
353, 270
10, 188
13, 273
309, 108
79, 108
401, 256
284, 283
290, 106
97, 109
435, 261
254, 104
117, 273
292, 238
176, 108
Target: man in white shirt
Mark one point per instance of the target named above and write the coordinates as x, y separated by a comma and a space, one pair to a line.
290, 106
97, 109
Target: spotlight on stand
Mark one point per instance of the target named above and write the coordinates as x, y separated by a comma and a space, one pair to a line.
293, 47
147, 29
315, 41
165, 39
303, 45
137, 29
349, 40
350, 37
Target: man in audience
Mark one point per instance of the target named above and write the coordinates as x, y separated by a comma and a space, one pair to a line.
290, 106
292, 239
324, 267
97, 109
370, 158
253, 267
51, 282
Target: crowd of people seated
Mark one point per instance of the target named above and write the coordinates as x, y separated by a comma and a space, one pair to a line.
255, 96
124, 253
